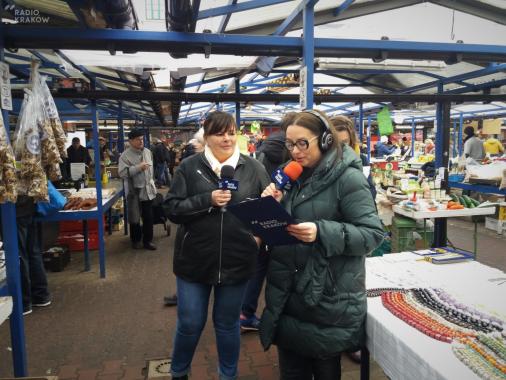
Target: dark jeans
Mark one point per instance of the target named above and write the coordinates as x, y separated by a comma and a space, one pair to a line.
33, 274
192, 306
160, 174
146, 231
296, 367
254, 287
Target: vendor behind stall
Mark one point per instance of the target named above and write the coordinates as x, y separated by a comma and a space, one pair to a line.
493, 146
77, 153
473, 146
383, 148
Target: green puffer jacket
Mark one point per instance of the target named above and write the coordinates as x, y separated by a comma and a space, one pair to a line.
315, 294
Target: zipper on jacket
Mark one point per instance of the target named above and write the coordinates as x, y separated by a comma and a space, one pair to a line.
221, 248
184, 239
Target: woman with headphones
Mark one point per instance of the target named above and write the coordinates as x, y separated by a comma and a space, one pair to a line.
315, 294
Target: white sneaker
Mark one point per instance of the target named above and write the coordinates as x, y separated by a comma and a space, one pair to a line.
44, 304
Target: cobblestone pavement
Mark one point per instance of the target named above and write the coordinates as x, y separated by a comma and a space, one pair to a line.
108, 329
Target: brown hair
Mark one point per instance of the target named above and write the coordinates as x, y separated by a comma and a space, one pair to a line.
317, 125
218, 122
287, 120
343, 123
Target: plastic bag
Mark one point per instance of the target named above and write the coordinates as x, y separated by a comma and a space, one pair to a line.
50, 153
27, 150
55, 204
8, 180
54, 119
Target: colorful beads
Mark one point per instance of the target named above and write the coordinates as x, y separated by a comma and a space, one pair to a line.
478, 340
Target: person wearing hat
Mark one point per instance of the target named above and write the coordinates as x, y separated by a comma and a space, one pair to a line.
136, 168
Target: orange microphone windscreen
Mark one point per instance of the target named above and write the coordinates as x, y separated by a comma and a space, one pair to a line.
293, 170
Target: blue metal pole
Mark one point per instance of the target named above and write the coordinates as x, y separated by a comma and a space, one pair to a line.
121, 148
10, 240
98, 182
454, 139
121, 130
308, 54
413, 137
237, 104
440, 131
369, 138
360, 121
461, 122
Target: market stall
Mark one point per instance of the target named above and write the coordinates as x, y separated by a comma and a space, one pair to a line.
406, 352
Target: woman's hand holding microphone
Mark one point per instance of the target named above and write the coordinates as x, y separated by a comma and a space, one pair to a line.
220, 198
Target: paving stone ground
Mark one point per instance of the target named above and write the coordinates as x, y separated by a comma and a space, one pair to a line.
107, 329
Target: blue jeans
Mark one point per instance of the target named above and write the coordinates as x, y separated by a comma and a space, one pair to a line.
254, 287
33, 275
192, 305
160, 174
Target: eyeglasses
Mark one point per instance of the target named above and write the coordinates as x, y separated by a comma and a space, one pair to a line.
302, 144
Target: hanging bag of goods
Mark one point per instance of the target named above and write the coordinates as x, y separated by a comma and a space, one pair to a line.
8, 181
51, 159
27, 150
54, 119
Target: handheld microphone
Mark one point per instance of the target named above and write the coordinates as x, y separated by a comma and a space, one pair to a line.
227, 181
282, 178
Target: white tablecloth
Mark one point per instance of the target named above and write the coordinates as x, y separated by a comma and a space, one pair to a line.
404, 352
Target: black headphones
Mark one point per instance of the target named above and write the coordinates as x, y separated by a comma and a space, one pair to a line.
326, 139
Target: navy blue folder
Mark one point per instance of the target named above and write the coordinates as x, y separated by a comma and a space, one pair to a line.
266, 218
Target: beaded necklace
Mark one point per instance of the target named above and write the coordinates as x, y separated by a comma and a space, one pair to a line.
396, 303
376, 292
436, 315
451, 313
479, 358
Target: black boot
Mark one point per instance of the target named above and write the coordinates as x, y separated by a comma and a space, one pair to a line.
185, 377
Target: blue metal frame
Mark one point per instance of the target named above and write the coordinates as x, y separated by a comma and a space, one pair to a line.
308, 50
461, 122
361, 121
369, 138
413, 137
340, 9
10, 240
234, 8
478, 188
237, 104
246, 45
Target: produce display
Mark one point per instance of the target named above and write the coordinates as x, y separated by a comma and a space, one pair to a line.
461, 202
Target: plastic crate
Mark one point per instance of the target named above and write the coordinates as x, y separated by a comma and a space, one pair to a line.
77, 226
75, 242
495, 225
405, 233
403, 238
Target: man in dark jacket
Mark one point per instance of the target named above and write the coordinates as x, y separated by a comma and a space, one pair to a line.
272, 154
78, 153
160, 158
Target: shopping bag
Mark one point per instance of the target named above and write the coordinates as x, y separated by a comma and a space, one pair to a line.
55, 204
